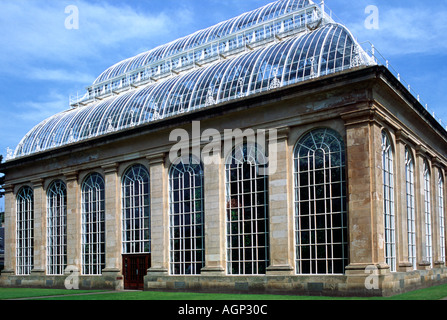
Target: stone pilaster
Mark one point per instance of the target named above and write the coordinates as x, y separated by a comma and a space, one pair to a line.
403, 263
365, 203
281, 220
214, 190
159, 216
73, 221
10, 231
39, 267
113, 267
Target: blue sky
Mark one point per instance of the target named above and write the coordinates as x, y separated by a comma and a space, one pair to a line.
42, 63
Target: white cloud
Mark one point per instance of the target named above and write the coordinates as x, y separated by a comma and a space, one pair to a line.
407, 30
59, 75
35, 32
42, 108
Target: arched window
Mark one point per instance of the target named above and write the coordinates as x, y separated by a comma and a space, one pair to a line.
411, 212
441, 216
93, 225
320, 204
427, 210
388, 202
56, 228
247, 212
136, 211
187, 220
25, 231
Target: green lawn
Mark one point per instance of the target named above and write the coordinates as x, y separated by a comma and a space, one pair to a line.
434, 293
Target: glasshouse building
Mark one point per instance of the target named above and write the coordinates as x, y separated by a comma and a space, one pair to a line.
268, 153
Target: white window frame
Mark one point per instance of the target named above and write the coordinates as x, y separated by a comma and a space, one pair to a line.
93, 225
411, 208
25, 231
389, 202
56, 228
186, 218
427, 211
136, 232
247, 211
441, 209
321, 226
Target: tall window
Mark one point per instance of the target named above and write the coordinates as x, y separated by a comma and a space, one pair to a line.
388, 202
247, 212
320, 204
56, 228
25, 231
411, 212
136, 211
427, 210
441, 216
187, 234
93, 225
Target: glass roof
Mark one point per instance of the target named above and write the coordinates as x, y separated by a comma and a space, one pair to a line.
328, 49
246, 20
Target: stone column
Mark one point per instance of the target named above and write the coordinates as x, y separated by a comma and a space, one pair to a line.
113, 269
280, 198
39, 268
73, 221
214, 190
365, 203
10, 232
403, 264
159, 216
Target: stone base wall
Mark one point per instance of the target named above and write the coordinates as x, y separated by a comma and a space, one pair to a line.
380, 284
104, 282
387, 284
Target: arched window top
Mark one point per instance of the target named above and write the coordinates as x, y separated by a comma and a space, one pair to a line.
25, 193
135, 172
387, 146
244, 153
409, 160
93, 181
57, 187
427, 171
323, 139
190, 164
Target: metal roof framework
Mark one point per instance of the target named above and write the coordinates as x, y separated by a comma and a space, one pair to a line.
316, 47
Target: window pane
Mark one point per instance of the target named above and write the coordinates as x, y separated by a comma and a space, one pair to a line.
320, 210
187, 236
247, 203
93, 225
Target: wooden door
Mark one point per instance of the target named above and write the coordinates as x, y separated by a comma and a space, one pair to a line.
134, 269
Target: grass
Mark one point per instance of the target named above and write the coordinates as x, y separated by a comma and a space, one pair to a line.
433, 293
20, 293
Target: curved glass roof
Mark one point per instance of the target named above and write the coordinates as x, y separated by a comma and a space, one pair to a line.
246, 20
326, 50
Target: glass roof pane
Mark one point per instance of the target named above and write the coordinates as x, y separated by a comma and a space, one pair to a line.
245, 20
328, 49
